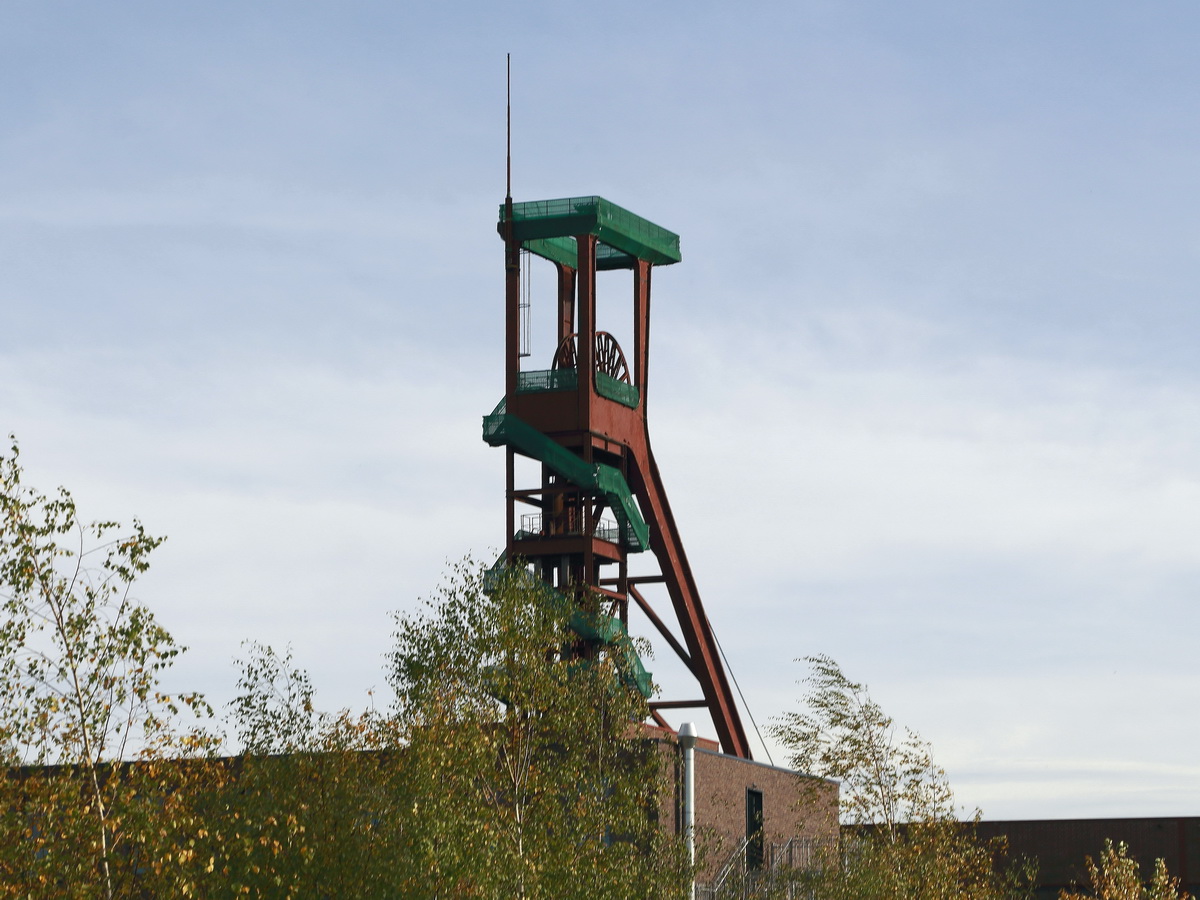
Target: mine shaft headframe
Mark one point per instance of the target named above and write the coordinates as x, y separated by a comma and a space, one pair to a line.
599, 410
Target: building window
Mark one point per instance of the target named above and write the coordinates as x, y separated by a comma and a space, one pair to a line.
754, 829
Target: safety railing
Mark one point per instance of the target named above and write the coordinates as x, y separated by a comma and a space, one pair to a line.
531, 527
776, 878
537, 380
607, 386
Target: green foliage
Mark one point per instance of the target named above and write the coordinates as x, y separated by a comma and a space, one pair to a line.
902, 838
1118, 877
273, 711
319, 801
932, 861
453, 791
530, 774
80, 660
80, 663
886, 778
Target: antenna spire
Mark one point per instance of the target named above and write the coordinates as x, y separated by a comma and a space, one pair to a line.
508, 130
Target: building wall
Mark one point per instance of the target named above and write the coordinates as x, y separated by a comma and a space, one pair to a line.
1061, 846
793, 806
800, 813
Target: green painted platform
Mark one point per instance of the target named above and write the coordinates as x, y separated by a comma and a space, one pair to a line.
548, 229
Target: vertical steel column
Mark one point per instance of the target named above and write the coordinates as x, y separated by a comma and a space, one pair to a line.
512, 308
566, 302
585, 353
510, 518
641, 328
585, 356
512, 356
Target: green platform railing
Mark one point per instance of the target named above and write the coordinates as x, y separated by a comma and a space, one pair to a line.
538, 381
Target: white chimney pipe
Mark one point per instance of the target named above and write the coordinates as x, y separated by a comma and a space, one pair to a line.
687, 743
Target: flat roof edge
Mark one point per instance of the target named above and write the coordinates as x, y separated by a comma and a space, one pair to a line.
773, 768
613, 225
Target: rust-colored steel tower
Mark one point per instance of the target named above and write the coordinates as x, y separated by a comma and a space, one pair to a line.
584, 420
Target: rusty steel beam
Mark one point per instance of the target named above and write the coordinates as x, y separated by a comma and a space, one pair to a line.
661, 626
641, 328
585, 352
566, 302
697, 632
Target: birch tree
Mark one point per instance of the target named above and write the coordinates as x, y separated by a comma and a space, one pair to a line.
902, 838
888, 775
505, 767
80, 667
530, 776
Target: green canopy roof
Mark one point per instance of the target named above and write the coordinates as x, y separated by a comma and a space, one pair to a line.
548, 228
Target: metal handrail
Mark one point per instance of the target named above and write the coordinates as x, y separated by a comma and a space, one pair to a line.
779, 857
738, 856
605, 529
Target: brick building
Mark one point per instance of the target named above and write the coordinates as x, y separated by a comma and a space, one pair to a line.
750, 816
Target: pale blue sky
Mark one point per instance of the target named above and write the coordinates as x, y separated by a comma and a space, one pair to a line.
924, 388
